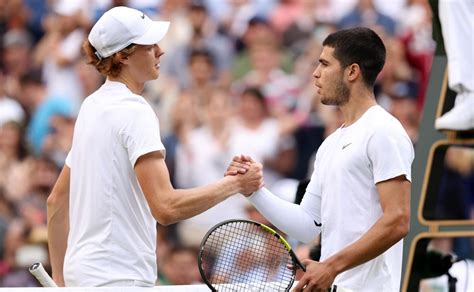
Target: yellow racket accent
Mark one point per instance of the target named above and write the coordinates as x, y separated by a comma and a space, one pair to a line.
282, 240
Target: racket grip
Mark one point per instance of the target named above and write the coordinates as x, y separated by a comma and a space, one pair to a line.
41, 275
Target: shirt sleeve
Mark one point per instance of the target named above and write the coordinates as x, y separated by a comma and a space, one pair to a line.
141, 134
391, 154
289, 218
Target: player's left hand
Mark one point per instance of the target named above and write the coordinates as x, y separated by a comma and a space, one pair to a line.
318, 277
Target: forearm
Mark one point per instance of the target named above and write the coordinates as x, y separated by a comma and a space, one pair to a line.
386, 232
58, 224
182, 204
289, 218
58, 230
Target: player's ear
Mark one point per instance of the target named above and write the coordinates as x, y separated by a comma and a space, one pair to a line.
353, 71
122, 58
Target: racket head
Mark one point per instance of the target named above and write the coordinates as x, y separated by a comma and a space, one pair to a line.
245, 255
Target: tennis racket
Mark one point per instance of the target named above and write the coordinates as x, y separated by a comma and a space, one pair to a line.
41, 275
243, 255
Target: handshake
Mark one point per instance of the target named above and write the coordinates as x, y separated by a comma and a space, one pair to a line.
247, 173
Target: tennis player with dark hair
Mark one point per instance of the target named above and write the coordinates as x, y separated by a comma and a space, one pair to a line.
359, 193
115, 185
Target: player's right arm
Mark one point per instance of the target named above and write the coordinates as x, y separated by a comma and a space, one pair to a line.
58, 224
169, 205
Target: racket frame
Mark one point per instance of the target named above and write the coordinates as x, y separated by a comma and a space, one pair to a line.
266, 228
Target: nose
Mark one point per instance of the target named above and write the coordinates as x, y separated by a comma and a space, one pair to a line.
158, 51
317, 72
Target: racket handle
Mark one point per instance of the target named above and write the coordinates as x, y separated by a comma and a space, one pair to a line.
41, 275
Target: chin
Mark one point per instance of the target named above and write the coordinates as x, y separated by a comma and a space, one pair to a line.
327, 101
154, 76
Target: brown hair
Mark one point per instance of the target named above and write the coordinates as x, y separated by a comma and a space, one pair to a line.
109, 66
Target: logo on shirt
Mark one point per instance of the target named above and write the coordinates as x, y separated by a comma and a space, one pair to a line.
317, 224
143, 16
344, 146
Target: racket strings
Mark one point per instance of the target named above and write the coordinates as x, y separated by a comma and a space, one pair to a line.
241, 256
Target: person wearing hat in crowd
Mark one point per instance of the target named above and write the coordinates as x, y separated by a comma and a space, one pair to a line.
115, 185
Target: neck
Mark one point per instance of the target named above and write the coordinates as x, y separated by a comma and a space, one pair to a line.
359, 102
217, 128
134, 86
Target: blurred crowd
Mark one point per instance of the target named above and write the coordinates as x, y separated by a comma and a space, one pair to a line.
236, 78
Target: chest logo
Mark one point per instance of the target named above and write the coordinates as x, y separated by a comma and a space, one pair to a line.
346, 145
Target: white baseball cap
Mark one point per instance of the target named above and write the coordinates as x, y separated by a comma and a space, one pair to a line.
121, 26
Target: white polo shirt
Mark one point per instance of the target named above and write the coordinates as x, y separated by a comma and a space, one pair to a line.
348, 165
112, 234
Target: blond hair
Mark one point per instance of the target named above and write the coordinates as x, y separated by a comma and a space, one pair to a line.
109, 66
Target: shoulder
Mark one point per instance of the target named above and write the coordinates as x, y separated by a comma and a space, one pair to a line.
382, 122
387, 129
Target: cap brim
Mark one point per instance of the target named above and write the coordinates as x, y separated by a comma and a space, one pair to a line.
155, 33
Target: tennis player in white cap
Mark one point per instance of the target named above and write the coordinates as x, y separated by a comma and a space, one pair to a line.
115, 185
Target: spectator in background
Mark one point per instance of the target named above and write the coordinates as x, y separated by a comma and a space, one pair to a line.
7, 212
90, 80
284, 14
456, 191
204, 37
59, 49
41, 106
13, 15
58, 141
11, 108
235, 19
311, 25
17, 45
415, 35
404, 108
185, 116
180, 267
16, 255
259, 31
202, 75
279, 88
366, 14
176, 12
208, 147
13, 148
272, 145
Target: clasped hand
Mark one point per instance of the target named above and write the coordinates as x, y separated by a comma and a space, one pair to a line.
249, 172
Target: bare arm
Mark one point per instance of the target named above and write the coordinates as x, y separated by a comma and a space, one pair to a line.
169, 205
388, 230
58, 224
